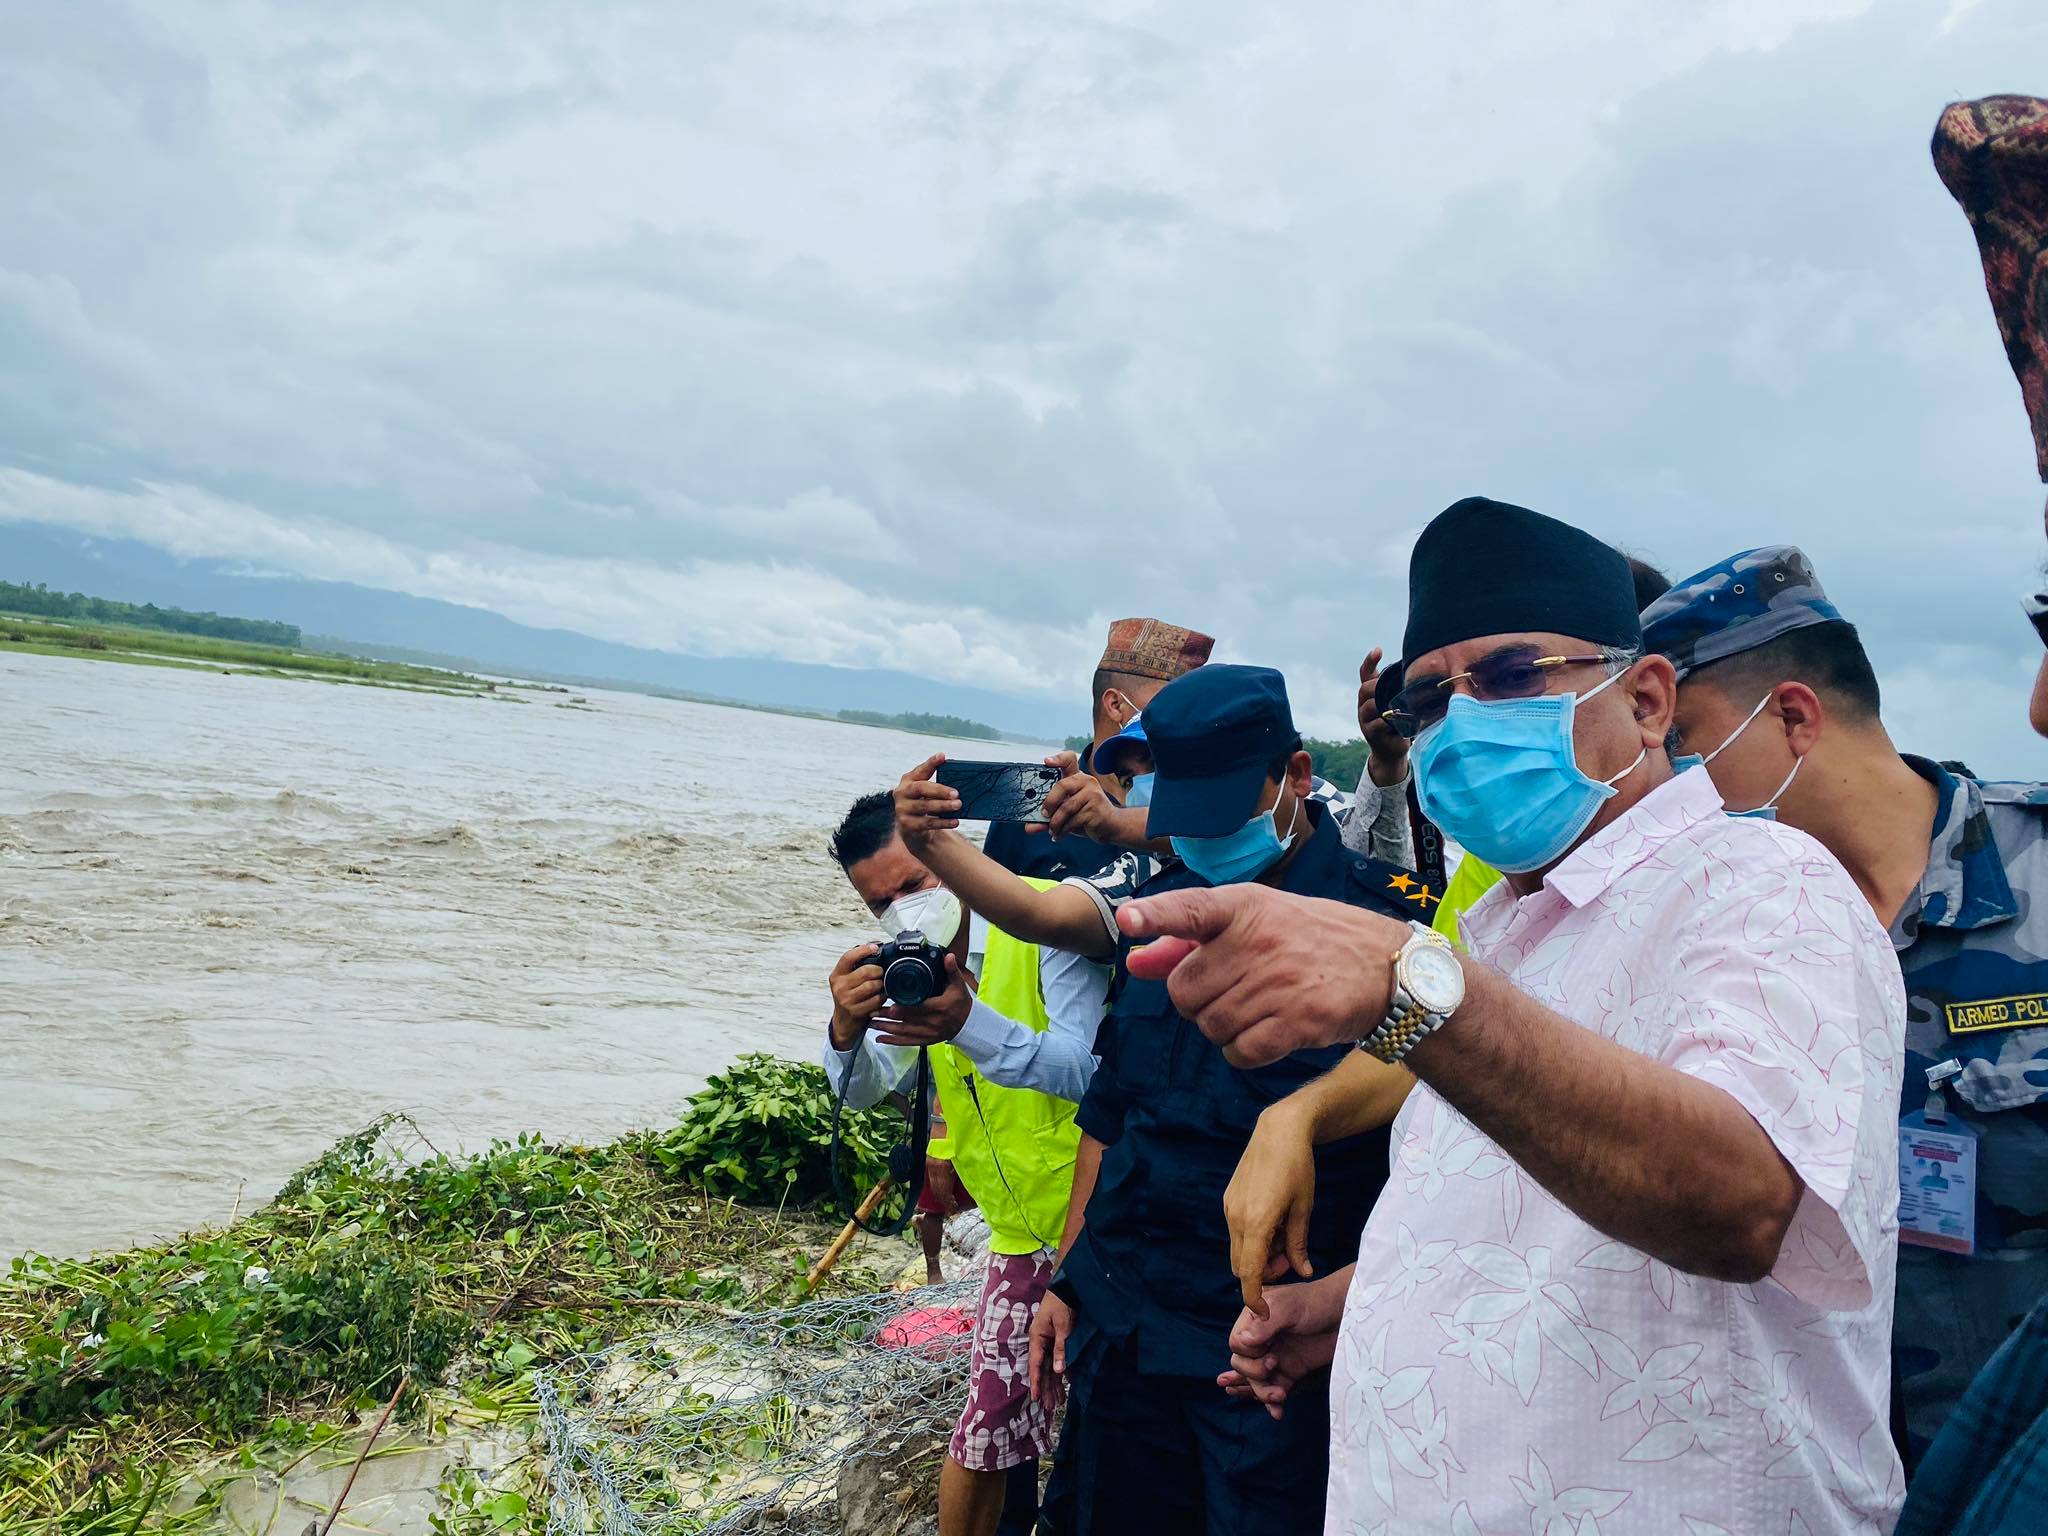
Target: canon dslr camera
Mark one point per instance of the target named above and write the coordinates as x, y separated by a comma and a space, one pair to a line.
913, 969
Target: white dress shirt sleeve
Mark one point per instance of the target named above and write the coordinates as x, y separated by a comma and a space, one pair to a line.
875, 1070
1058, 1060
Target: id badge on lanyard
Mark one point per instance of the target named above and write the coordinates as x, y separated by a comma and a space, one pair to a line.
1937, 1173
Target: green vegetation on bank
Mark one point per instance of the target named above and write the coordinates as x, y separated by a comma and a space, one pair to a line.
40, 622
923, 724
1341, 762
39, 600
163, 648
127, 1378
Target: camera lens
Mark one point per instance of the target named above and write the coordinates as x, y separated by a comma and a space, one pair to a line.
910, 980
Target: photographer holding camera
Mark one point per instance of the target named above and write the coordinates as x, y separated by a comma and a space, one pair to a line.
1009, 1030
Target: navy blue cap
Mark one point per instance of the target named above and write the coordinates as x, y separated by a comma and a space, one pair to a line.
1215, 734
1115, 749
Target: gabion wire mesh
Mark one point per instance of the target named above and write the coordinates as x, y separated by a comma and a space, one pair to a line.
750, 1423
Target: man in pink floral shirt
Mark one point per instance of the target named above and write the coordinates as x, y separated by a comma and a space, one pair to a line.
1633, 1270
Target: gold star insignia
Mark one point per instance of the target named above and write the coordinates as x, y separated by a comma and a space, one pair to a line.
1402, 883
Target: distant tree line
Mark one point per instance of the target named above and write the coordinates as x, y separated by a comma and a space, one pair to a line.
42, 602
924, 725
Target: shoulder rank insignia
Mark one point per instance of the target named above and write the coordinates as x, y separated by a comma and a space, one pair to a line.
1410, 888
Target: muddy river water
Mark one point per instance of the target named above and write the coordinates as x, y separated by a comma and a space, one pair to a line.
240, 917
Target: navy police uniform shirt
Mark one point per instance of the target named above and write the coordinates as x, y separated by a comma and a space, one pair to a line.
1035, 853
1152, 1263
1973, 945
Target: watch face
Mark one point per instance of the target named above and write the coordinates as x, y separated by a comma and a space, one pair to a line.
1433, 977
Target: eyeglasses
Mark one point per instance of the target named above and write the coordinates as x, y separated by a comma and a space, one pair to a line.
1518, 672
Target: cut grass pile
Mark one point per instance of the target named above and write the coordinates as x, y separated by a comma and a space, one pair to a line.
139, 1383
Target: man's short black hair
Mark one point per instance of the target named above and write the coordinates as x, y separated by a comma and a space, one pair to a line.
868, 828
1106, 679
1827, 657
1651, 583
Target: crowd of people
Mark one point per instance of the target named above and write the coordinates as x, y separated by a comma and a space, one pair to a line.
1678, 1164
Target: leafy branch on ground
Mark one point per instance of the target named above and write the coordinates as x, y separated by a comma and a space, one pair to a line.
372, 1263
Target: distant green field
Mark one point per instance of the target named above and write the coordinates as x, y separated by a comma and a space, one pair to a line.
163, 648
923, 724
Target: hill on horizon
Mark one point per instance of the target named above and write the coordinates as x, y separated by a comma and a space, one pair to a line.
133, 572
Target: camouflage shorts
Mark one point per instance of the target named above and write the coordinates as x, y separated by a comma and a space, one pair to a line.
1001, 1426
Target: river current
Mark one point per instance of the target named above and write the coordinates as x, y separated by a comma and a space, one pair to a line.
240, 917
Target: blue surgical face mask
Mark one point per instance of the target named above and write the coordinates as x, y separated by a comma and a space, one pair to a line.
1768, 811
1502, 778
1140, 792
1242, 855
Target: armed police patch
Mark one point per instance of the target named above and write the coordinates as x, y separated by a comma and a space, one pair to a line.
2019, 1012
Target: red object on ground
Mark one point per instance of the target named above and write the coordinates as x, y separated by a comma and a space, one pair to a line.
942, 1330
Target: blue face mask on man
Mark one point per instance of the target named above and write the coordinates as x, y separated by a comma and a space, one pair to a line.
1139, 794
1503, 778
1768, 811
1242, 855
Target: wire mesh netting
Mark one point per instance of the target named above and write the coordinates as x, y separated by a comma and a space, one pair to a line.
797, 1420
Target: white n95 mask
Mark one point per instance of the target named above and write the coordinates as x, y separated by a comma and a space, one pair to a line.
934, 913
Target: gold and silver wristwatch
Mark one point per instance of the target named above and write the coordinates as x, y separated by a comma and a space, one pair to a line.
1429, 984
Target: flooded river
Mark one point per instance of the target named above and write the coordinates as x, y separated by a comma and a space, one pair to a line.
240, 917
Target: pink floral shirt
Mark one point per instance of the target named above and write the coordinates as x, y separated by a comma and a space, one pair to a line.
1506, 1370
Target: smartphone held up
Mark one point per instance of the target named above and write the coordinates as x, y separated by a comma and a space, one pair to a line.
999, 791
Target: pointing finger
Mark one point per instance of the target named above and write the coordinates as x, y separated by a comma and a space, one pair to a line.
1156, 961
1200, 915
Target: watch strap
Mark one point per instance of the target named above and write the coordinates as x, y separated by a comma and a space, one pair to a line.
1397, 1033
1407, 1021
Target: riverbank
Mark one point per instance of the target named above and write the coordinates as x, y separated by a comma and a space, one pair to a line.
163, 648
186, 1385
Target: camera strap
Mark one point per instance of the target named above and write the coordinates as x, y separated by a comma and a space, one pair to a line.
906, 1158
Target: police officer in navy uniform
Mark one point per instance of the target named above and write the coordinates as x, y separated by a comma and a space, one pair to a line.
1776, 693
1143, 1304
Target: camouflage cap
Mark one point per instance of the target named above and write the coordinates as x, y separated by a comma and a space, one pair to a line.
1153, 648
1745, 601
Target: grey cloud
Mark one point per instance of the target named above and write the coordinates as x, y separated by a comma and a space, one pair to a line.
985, 325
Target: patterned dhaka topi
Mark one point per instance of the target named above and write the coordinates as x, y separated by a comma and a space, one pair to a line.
1993, 156
1153, 648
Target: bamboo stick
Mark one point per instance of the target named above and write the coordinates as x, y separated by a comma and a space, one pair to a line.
839, 1244
375, 1430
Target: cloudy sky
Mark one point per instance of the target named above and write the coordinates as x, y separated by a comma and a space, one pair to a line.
933, 335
